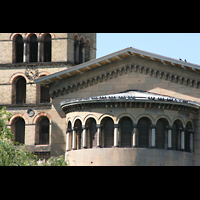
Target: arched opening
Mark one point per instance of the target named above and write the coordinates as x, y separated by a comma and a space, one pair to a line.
108, 132
33, 49
18, 49
143, 132
126, 127
76, 50
189, 129
91, 132
69, 131
161, 133
20, 90
78, 128
42, 131
18, 130
44, 94
87, 51
176, 135
47, 48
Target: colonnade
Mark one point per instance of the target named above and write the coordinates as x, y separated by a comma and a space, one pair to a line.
79, 139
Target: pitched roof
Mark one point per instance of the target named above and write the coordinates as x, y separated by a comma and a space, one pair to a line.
81, 68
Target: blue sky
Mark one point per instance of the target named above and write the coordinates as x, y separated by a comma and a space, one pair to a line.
173, 45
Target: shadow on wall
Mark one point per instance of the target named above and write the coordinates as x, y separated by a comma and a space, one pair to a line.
58, 140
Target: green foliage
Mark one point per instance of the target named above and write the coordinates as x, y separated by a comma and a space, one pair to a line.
14, 154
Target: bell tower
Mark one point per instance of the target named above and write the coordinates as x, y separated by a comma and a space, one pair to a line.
81, 47
74, 48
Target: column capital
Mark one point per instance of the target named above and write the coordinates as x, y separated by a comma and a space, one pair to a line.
169, 127
116, 125
69, 130
153, 126
134, 125
99, 125
182, 129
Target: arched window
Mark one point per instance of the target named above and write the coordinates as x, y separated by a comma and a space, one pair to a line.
91, 132
20, 90
161, 133
176, 135
18, 49
33, 49
19, 130
78, 128
87, 51
188, 130
126, 126
69, 131
44, 94
42, 134
47, 48
108, 131
143, 132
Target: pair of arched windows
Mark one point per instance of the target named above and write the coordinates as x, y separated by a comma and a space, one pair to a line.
42, 130
32, 49
81, 51
19, 92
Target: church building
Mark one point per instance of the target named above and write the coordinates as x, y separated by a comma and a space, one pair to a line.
130, 107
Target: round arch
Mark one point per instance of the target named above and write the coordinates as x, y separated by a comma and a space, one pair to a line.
187, 121
14, 76
125, 115
106, 115
44, 34
177, 118
14, 35
74, 120
42, 114
163, 116
16, 116
145, 115
88, 117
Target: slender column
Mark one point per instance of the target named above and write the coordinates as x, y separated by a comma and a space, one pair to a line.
74, 139
67, 139
77, 51
134, 135
169, 143
25, 49
98, 135
153, 136
39, 48
84, 137
182, 139
191, 140
116, 126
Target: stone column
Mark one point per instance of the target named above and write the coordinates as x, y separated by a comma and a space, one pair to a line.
25, 49
84, 137
67, 139
39, 48
191, 140
98, 135
182, 139
153, 136
169, 136
134, 135
116, 127
74, 139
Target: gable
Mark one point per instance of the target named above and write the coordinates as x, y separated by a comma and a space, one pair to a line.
129, 74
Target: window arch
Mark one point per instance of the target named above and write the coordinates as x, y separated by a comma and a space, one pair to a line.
161, 133
126, 126
18, 47
47, 48
78, 129
18, 129
19, 90
42, 131
108, 132
143, 132
176, 135
91, 126
44, 93
33, 49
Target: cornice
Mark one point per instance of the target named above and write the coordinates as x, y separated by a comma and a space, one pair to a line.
132, 68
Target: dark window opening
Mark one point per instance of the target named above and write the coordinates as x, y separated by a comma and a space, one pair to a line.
47, 48
19, 49
33, 56
21, 90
